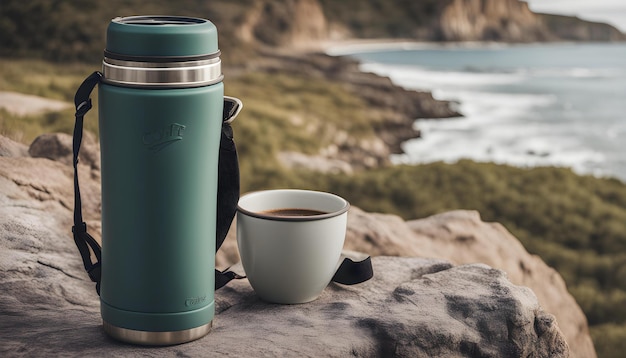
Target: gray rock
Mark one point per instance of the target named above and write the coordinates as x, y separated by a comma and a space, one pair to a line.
461, 237
10, 148
58, 146
414, 307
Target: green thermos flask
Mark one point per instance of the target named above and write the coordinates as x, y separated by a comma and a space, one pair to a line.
161, 101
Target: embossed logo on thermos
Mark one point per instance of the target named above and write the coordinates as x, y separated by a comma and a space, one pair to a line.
192, 301
161, 138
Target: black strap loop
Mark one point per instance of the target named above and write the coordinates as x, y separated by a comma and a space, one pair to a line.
351, 272
227, 185
224, 277
83, 240
83, 108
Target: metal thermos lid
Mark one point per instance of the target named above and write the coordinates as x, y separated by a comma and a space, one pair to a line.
161, 51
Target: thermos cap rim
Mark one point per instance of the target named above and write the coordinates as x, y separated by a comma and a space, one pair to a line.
159, 20
160, 59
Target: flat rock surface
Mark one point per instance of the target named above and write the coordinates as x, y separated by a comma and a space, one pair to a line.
413, 307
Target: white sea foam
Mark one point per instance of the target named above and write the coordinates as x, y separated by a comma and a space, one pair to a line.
356, 47
500, 128
344, 48
576, 72
499, 145
616, 131
414, 77
529, 111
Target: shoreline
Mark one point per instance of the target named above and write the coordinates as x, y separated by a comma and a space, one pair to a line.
347, 47
352, 46
537, 158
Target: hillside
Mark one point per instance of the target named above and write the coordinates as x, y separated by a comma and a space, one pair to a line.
69, 30
457, 20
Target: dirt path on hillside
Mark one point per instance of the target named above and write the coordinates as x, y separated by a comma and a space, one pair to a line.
25, 104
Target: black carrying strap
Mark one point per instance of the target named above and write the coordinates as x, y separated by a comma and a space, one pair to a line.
349, 272
83, 240
227, 185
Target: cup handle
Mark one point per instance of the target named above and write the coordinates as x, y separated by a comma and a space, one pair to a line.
352, 272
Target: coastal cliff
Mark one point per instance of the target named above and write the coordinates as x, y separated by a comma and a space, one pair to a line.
301, 23
490, 20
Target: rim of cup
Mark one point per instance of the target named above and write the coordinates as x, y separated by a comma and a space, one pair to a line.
339, 204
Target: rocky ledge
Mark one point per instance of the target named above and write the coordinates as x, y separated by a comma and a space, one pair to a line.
462, 296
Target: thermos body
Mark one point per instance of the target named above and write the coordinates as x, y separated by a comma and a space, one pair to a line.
159, 192
160, 117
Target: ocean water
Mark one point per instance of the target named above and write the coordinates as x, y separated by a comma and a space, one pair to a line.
526, 105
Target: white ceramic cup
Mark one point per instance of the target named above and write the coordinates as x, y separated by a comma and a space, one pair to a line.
290, 259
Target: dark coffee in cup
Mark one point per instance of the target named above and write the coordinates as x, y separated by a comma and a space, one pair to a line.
293, 212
